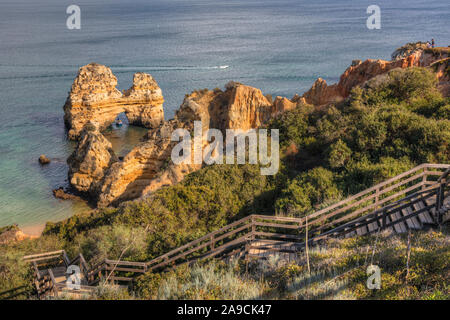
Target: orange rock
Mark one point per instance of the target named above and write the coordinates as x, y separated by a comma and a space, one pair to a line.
358, 73
148, 166
95, 98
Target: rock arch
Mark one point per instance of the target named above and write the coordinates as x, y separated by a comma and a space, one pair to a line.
94, 98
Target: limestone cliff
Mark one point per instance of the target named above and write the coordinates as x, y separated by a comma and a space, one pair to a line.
90, 160
95, 98
442, 69
10, 234
148, 166
360, 72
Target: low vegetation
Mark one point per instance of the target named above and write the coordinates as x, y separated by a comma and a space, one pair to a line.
338, 271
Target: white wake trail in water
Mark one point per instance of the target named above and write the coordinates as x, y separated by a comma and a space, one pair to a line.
167, 68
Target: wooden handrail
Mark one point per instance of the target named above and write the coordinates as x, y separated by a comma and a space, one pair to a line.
386, 211
15, 292
379, 187
322, 216
240, 231
42, 254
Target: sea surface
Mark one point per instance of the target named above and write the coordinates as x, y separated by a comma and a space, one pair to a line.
280, 46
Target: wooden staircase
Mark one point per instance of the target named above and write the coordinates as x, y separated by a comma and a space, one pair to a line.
50, 275
414, 200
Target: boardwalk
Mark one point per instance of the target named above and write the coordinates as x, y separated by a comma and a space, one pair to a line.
413, 200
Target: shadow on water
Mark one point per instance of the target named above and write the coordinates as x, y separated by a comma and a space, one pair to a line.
124, 137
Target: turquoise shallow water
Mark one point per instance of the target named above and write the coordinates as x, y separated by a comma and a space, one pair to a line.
279, 46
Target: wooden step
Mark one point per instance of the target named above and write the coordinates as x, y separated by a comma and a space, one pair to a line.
373, 227
388, 220
399, 227
350, 234
361, 231
59, 271
424, 217
413, 222
432, 211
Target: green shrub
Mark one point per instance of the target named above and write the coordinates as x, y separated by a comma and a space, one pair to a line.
200, 282
339, 154
308, 190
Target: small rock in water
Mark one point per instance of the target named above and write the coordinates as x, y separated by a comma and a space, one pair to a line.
62, 194
43, 159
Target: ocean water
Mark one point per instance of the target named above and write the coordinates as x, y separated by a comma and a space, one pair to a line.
280, 46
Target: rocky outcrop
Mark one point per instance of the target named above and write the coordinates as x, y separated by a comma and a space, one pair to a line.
442, 69
360, 72
408, 50
281, 105
43, 159
62, 194
12, 234
90, 160
320, 93
95, 98
95, 169
247, 108
148, 166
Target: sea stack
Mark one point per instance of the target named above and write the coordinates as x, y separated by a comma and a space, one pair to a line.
95, 98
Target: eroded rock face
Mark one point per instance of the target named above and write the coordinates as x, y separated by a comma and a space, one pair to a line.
360, 72
320, 93
282, 104
90, 161
247, 108
148, 166
442, 69
144, 102
95, 98
13, 234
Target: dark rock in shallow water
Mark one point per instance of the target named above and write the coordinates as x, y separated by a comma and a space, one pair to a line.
43, 159
62, 194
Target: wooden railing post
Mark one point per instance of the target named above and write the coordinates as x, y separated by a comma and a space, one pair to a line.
253, 228
440, 202
211, 239
377, 197
66, 258
424, 178
54, 288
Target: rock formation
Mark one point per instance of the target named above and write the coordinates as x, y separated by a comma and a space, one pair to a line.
94, 168
91, 159
442, 69
360, 72
62, 194
43, 159
148, 166
12, 234
95, 98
